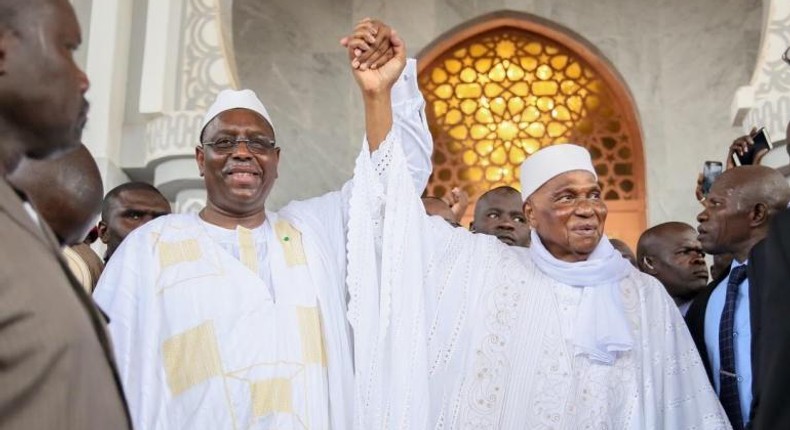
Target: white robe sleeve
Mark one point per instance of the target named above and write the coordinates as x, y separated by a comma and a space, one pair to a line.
411, 279
328, 214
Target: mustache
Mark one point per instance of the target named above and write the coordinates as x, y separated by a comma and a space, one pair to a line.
242, 167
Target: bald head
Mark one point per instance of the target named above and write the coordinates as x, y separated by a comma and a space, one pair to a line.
497, 194
498, 213
67, 192
750, 185
127, 207
14, 12
435, 206
42, 104
739, 208
659, 236
672, 253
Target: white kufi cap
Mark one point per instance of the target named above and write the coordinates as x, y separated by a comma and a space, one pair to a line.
550, 162
231, 99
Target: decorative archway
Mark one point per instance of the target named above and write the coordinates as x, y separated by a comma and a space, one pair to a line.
507, 84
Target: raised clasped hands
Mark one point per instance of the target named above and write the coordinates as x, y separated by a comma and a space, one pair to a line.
377, 55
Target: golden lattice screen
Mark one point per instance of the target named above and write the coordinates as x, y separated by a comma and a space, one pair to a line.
498, 96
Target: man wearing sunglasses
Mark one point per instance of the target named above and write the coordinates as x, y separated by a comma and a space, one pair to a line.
236, 316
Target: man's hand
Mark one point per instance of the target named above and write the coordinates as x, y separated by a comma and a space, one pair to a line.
741, 146
458, 200
371, 44
375, 82
698, 191
378, 77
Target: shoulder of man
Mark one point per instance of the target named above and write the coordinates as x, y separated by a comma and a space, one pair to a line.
147, 236
648, 288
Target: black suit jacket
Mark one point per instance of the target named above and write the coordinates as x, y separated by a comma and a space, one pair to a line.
772, 411
695, 317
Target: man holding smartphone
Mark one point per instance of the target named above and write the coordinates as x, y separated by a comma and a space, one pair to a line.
745, 150
724, 319
749, 149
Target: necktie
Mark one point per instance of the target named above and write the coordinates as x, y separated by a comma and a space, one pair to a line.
728, 379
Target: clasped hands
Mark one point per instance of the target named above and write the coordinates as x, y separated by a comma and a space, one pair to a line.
377, 56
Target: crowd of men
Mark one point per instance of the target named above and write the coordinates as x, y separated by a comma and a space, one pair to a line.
367, 307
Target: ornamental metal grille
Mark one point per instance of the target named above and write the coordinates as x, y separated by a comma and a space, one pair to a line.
499, 96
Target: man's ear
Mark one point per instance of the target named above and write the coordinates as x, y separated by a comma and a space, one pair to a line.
104, 234
758, 215
646, 264
277, 162
200, 157
529, 213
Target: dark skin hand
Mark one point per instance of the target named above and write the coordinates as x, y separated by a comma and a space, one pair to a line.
370, 43
376, 86
458, 200
741, 146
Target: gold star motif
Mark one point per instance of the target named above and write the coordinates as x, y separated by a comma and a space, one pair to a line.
508, 53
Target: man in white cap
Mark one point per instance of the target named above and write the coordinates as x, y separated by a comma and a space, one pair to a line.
462, 331
236, 317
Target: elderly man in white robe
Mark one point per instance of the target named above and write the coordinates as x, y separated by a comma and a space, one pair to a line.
235, 318
459, 331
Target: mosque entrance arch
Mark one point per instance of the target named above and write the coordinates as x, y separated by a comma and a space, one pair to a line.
504, 85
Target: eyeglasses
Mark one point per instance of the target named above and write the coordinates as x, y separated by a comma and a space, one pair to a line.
255, 145
786, 56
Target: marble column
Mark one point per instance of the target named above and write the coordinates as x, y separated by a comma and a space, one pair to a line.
106, 53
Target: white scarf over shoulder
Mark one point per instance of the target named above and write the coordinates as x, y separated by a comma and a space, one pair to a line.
602, 329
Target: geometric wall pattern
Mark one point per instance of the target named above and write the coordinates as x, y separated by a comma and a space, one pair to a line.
497, 97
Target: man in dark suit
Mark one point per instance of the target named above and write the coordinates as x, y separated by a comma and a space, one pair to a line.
771, 411
56, 365
724, 318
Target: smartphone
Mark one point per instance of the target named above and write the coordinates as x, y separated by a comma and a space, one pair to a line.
710, 172
761, 141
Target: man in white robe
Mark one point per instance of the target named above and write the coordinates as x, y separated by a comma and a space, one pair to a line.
235, 318
459, 331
